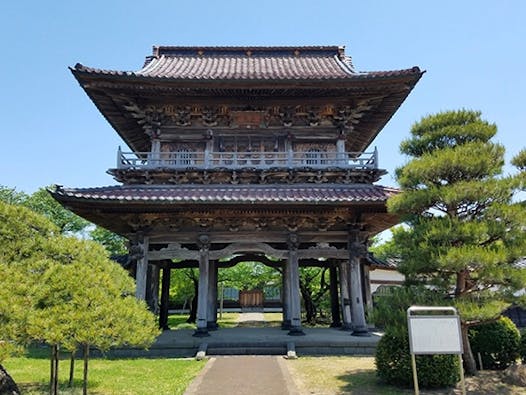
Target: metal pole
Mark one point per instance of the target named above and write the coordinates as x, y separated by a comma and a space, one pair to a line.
415, 377
462, 380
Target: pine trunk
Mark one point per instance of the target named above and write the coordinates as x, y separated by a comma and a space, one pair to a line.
193, 306
53, 384
469, 360
7, 384
85, 378
71, 369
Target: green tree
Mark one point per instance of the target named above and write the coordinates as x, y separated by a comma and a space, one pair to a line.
465, 233
64, 291
114, 243
43, 203
314, 289
11, 195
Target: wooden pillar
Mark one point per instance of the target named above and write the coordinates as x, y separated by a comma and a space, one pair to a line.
202, 299
286, 297
294, 281
345, 296
152, 289
335, 303
357, 250
165, 298
141, 272
212, 296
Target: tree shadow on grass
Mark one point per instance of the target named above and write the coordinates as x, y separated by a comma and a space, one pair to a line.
365, 382
37, 388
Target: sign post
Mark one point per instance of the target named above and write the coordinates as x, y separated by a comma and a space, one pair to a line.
435, 333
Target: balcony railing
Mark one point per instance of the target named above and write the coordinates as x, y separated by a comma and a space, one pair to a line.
240, 160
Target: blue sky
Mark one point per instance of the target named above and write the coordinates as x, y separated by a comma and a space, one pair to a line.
474, 52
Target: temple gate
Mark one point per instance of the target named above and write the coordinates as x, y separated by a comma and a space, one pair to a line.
246, 153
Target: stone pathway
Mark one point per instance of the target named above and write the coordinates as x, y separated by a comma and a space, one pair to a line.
244, 375
245, 319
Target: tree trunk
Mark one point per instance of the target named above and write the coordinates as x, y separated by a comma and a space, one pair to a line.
7, 384
85, 378
53, 385
71, 368
469, 360
310, 307
193, 305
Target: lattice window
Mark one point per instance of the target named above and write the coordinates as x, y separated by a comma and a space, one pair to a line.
184, 157
315, 156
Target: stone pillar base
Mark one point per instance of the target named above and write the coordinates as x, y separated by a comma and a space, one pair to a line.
212, 326
285, 325
346, 327
201, 332
361, 332
295, 331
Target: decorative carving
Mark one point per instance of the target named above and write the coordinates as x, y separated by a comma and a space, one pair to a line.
152, 121
314, 116
293, 241
357, 241
182, 116
203, 241
209, 116
286, 116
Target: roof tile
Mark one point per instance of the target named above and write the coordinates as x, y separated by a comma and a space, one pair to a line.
326, 193
248, 63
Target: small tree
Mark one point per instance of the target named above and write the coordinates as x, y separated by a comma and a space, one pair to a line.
64, 291
465, 231
314, 289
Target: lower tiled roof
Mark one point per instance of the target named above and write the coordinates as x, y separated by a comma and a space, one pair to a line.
214, 193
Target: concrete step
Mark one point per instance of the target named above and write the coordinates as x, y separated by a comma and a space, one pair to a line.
249, 350
246, 348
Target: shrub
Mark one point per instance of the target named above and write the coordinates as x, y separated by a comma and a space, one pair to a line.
393, 364
497, 342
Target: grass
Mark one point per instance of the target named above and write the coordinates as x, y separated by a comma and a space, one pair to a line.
123, 376
339, 375
357, 376
178, 321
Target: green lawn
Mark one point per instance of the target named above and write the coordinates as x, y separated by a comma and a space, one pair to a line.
178, 321
123, 376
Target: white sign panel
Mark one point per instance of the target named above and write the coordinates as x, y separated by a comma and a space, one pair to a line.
435, 334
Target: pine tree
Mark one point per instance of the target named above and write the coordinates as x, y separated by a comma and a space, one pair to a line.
465, 232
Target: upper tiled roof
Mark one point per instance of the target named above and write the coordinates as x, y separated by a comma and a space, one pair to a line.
169, 194
248, 63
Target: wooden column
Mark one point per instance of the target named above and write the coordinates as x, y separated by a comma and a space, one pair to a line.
165, 298
202, 299
142, 268
152, 288
335, 303
286, 297
294, 280
212, 296
345, 296
357, 250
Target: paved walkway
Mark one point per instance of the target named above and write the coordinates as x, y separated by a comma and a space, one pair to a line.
250, 375
250, 319
244, 375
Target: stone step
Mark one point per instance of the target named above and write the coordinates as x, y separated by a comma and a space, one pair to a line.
249, 350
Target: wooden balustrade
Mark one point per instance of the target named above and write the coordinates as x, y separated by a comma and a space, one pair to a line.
239, 160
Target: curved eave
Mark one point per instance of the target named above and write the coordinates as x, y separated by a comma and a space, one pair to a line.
102, 87
109, 206
83, 73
